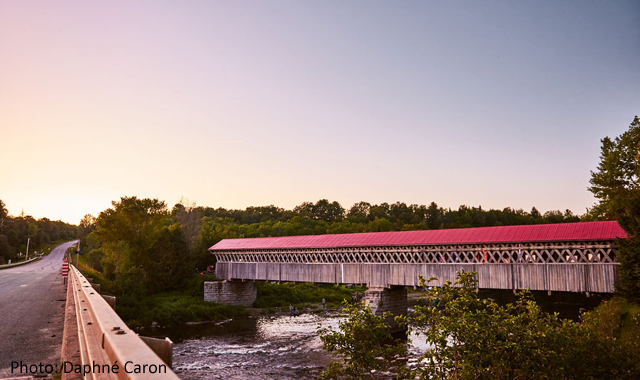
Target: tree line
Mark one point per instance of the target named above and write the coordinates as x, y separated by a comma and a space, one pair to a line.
142, 244
325, 217
15, 231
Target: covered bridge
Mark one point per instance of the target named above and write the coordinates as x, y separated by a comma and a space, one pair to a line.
575, 257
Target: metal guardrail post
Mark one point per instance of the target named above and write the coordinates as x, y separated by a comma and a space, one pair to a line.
108, 348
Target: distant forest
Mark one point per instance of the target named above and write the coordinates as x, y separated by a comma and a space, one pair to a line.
16, 230
324, 217
202, 227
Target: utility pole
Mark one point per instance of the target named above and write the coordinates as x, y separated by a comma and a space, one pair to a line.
27, 257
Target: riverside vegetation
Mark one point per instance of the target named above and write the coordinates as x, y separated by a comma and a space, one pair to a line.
474, 338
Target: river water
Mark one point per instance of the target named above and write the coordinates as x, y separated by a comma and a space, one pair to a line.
286, 347
264, 347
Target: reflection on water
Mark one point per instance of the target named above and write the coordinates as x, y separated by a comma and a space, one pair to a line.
280, 347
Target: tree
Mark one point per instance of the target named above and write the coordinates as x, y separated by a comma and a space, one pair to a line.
328, 211
364, 344
379, 225
473, 338
3, 210
3, 215
359, 212
141, 249
304, 210
88, 223
138, 222
169, 260
434, 216
190, 218
535, 214
616, 183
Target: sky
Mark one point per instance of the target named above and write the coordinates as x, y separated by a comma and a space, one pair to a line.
253, 103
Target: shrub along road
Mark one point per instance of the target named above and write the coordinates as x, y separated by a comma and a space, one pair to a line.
32, 301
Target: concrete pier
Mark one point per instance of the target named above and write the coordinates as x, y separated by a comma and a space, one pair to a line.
393, 300
231, 292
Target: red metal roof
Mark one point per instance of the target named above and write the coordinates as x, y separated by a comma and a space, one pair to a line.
588, 231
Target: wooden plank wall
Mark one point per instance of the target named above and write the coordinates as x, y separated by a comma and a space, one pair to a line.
583, 277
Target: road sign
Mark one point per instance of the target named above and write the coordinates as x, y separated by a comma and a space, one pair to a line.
65, 270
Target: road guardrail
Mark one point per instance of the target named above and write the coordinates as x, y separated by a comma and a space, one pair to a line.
18, 263
108, 348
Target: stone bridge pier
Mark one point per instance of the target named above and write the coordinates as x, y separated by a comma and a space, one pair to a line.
241, 293
392, 299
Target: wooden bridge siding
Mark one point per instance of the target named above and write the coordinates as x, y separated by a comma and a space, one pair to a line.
596, 278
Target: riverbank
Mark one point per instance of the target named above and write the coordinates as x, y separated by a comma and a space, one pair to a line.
302, 295
185, 304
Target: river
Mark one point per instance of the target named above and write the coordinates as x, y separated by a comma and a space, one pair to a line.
285, 347
264, 347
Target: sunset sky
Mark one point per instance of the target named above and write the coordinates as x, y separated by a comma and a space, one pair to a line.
250, 103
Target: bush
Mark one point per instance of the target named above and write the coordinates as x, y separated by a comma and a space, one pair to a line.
473, 338
363, 343
172, 308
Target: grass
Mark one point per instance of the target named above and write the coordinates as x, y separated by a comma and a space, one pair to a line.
182, 305
172, 308
300, 295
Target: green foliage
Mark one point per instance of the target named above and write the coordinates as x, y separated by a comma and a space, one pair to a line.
141, 250
138, 222
106, 286
283, 295
617, 321
168, 261
363, 343
3, 210
379, 225
616, 183
94, 255
628, 282
473, 338
172, 308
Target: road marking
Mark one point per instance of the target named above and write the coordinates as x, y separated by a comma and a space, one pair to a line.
21, 287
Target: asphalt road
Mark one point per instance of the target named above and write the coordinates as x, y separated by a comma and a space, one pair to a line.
32, 301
